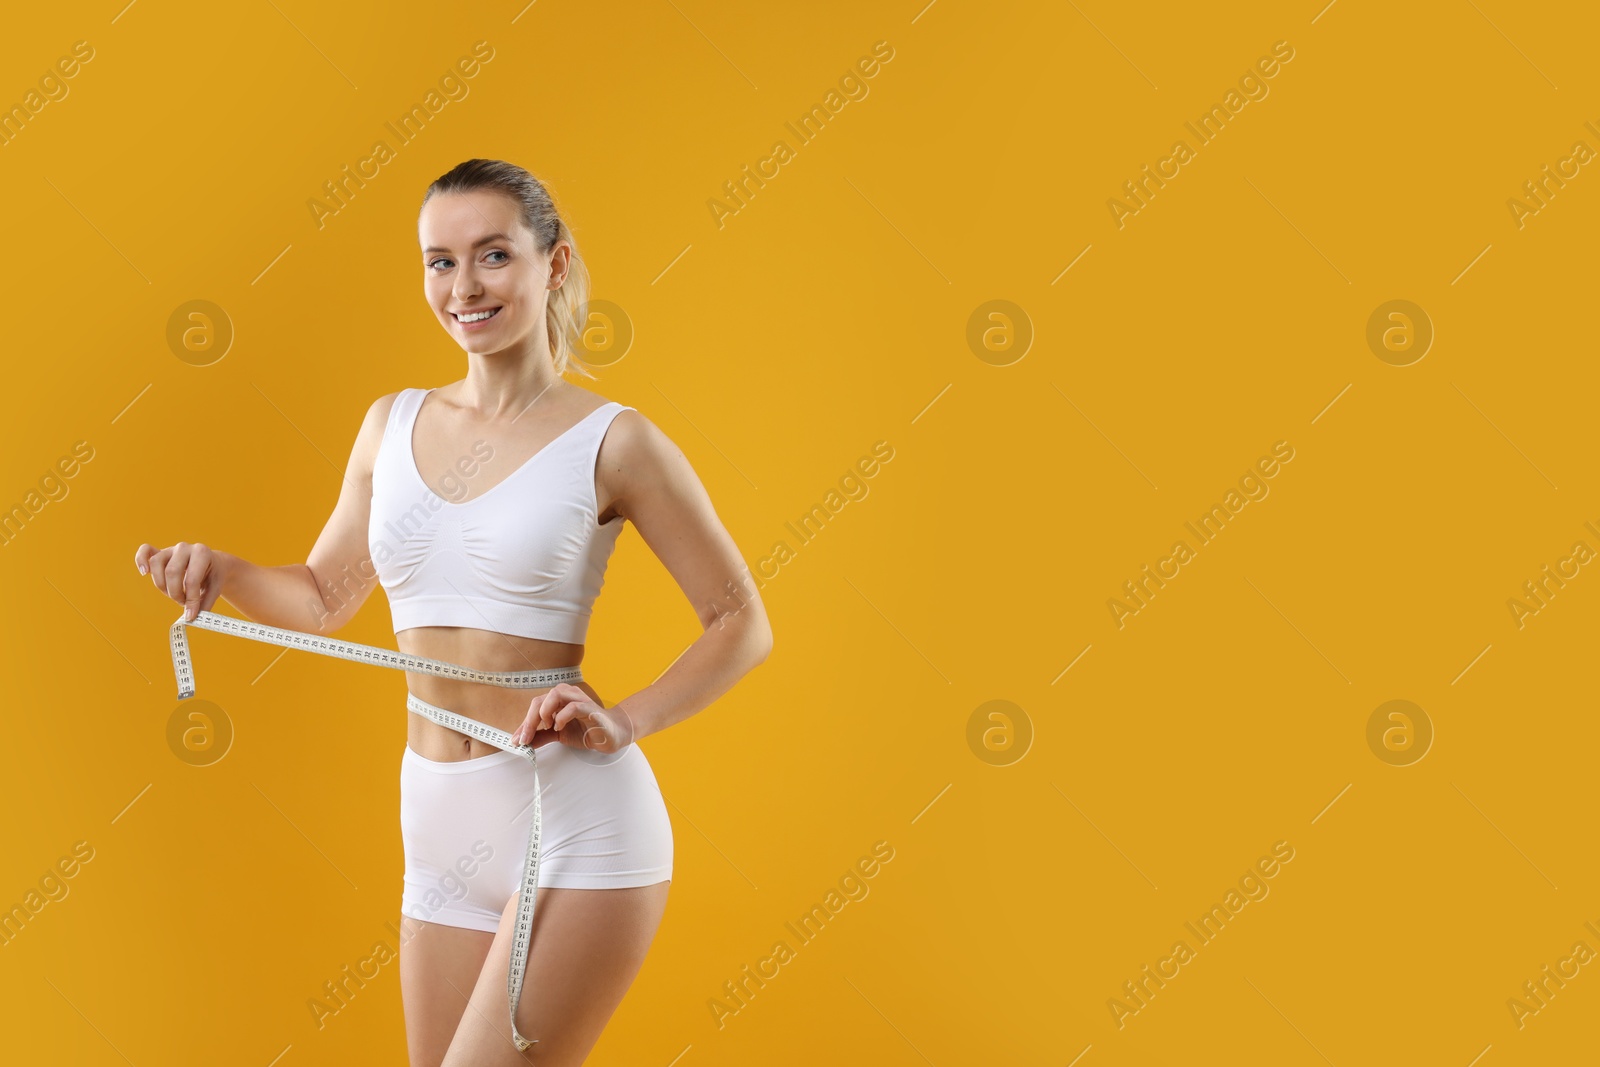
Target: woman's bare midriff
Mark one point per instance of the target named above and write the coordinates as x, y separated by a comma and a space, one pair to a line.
484, 650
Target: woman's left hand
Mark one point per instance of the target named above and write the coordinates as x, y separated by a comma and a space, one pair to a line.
566, 714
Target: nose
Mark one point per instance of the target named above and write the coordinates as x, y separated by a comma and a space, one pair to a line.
466, 285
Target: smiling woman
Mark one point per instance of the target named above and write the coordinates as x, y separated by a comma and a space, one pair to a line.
516, 567
489, 521
497, 267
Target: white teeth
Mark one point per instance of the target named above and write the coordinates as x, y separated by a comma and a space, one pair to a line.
478, 317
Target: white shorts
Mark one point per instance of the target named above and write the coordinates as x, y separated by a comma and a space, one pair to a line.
464, 825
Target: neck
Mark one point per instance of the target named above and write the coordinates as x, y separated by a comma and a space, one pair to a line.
508, 382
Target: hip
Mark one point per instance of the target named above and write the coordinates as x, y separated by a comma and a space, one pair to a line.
497, 788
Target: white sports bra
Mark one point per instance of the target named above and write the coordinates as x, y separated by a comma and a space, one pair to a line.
525, 557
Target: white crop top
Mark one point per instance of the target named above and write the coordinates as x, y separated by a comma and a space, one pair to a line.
526, 557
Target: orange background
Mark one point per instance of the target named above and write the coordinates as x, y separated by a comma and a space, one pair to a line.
831, 312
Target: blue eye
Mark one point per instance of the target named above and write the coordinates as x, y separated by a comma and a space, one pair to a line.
493, 252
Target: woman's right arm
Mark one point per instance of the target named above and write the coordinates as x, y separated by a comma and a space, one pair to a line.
318, 596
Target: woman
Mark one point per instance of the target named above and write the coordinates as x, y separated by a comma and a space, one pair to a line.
488, 509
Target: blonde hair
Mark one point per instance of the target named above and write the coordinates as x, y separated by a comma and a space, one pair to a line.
566, 307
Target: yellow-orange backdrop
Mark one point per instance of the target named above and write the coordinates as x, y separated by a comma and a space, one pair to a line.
1155, 343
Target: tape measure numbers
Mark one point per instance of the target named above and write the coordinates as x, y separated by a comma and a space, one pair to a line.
183, 669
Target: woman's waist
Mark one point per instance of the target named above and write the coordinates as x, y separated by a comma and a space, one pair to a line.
487, 703
484, 665
502, 709
524, 671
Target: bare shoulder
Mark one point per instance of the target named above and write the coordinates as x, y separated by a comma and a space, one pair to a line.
634, 441
379, 410
635, 454
364, 454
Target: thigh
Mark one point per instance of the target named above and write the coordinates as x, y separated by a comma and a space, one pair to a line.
461, 856
439, 966
586, 947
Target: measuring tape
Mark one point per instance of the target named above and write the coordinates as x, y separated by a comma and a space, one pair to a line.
183, 668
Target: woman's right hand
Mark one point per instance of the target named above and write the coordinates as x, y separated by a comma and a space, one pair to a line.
190, 574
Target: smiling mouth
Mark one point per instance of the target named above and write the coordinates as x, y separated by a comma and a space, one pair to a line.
480, 317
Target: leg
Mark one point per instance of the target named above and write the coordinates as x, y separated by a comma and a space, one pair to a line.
439, 966
461, 848
586, 947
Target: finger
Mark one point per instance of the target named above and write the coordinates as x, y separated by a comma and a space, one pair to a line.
528, 735
566, 696
194, 580
549, 704
141, 558
572, 711
539, 717
158, 567
522, 730
177, 564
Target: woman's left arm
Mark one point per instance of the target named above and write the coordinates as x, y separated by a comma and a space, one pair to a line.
651, 484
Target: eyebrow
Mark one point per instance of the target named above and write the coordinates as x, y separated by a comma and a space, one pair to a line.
475, 244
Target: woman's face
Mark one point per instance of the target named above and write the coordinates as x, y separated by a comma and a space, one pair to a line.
477, 256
